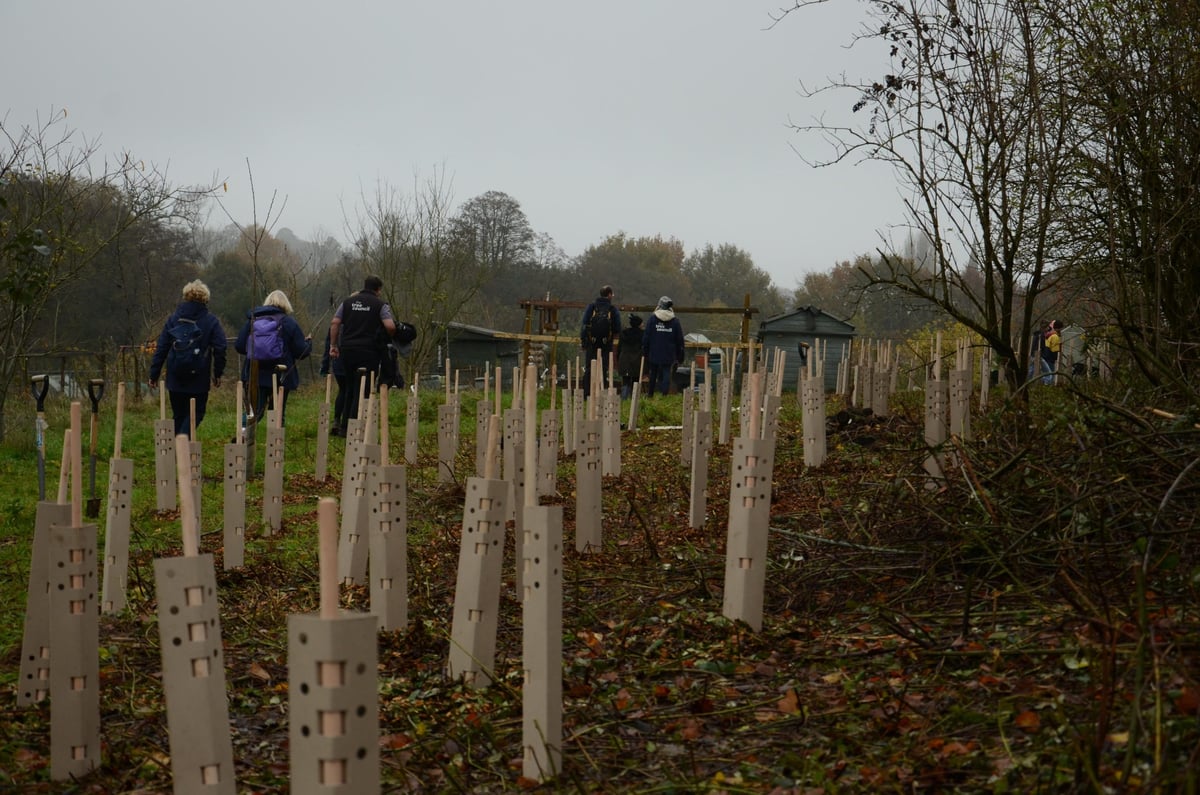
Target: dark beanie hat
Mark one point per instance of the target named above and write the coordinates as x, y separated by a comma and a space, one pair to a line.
635, 321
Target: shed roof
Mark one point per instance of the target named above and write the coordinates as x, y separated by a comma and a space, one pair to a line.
463, 330
827, 319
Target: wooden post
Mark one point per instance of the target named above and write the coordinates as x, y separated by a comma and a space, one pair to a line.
547, 465
960, 392
541, 702
74, 633
333, 720
412, 427
513, 459
486, 511
272, 507
589, 476
568, 416
354, 546
610, 429
578, 408
745, 561
387, 509
749, 513
164, 455
34, 682
635, 395
881, 381
194, 474
483, 413
701, 444
322, 459
724, 398
448, 416
937, 415
985, 376
687, 423
812, 407
234, 508
117, 520
192, 656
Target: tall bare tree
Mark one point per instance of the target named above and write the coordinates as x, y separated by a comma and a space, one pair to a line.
71, 203
973, 118
1136, 214
254, 238
429, 277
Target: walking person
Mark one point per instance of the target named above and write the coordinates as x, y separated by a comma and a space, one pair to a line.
601, 325
629, 355
663, 346
272, 337
1050, 350
358, 336
192, 349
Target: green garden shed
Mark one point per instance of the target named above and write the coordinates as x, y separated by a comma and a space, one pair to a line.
806, 324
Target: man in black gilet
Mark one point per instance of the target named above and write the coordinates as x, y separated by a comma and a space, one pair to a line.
358, 335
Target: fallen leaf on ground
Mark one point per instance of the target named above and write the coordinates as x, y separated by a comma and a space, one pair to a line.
1028, 721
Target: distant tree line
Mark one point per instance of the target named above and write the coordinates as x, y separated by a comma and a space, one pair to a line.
92, 260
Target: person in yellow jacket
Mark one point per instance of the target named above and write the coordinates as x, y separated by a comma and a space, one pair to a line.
1051, 349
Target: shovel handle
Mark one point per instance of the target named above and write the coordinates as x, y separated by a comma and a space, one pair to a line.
40, 386
96, 393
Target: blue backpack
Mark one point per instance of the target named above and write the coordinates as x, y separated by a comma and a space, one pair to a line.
266, 337
188, 355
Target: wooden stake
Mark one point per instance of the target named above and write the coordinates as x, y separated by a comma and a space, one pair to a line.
327, 524
755, 425
187, 497
239, 430
531, 435
76, 464
64, 468
493, 444
499, 377
120, 419
383, 424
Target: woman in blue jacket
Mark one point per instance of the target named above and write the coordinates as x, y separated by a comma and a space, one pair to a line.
188, 380
272, 337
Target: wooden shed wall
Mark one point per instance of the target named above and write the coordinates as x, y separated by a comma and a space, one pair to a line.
785, 332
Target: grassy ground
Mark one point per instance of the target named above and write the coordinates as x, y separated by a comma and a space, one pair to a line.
1030, 623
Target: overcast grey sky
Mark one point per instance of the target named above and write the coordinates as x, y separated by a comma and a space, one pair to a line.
649, 117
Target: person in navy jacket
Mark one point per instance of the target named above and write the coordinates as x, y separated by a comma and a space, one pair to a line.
296, 346
183, 387
663, 346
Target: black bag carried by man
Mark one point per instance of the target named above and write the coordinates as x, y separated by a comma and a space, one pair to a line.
600, 327
405, 336
400, 346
